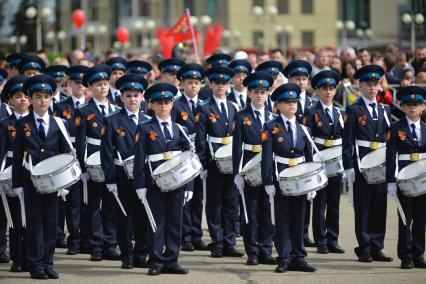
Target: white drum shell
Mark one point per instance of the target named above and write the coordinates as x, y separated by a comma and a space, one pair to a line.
94, 168
128, 165
46, 180
6, 182
333, 160
312, 177
177, 172
373, 166
252, 171
223, 158
412, 179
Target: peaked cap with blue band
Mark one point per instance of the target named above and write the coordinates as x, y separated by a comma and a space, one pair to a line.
131, 82
14, 58
13, 85
138, 67
76, 72
41, 83
31, 62
371, 72
297, 67
220, 74
273, 67
218, 59
56, 70
117, 63
171, 65
240, 65
325, 78
191, 70
286, 92
411, 94
96, 73
258, 80
160, 92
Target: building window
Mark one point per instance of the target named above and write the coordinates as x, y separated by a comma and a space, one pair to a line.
308, 38
282, 6
93, 10
283, 40
211, 7
259, 3
144, 8
307, 6
258, 39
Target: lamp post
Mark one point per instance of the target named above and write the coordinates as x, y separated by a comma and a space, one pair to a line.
226, 34
90, 31
413, 20
138, 28
364, 35
345, 27
61, 36
31, 13
150, 26
265, 17
103, 32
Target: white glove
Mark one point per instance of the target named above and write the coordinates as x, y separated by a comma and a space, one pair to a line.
392, 189
63, 192
84, 177
270, 190
350, 175
203, 174
239, 182
141, 192
112, 187
19, 191
311, 195
188, 196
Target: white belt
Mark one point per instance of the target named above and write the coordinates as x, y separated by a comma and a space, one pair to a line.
27, 166
289, 161
163, 156
253, 148
9, 154
328, 142
73, 139
411, 157
220, 140
370, 144
93, 141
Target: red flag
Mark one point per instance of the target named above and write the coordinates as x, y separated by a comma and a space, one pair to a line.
212, 40
181, 31
166, 42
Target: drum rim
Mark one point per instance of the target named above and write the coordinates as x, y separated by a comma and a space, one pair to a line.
243, 170
309, 174
192, 154
223, 147
409, 166
75, 160
4, 171
370, 153
93, 155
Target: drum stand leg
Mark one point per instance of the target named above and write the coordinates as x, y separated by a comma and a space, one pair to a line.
7, 210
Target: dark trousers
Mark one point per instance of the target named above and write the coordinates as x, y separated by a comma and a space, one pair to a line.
289, 222
411, 238
42, 220
220, 207
73, 215
192, 215
135, 224
167, 209
370, 204
258, 232
60, 233
101, 222
3, 229
17, 233
325, 213
307, 221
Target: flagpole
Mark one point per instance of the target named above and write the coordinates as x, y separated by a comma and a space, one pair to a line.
194, 41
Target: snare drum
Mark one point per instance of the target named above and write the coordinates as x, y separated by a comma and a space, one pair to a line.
94, 168
412, 179
55, 173
333, 160
373, 166
223, 158
303, 178
128, 166
6, 182
252, 171
177, 172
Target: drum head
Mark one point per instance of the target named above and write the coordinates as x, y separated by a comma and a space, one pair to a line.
175, 161
6, 174
52, 164
224, 151
329, 154
254, 161
94, 159
301, 170
413, 170
374, 158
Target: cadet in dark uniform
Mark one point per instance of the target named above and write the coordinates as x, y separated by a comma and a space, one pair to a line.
154, 139
39, 135
214, 119
118, 69
298, 72
183, 113
215, 60
272, 67
367, 125
238, 94
169, 68
66, 110
248, 125
285, 142
138, 67
326, 124
89, 122
13, 60
31, 65
117, 144
12, 92
408, 144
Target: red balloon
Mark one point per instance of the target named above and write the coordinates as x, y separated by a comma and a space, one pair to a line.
388, 98
78, 18
122, 34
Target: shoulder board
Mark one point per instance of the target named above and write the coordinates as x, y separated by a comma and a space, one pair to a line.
145, 116
237, 107
146, 121
84, 105
113, 112
4, 118
177, 97
274, 116
203, 102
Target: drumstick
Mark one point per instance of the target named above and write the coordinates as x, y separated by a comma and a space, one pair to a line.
150, 217
351, 194
119, 203
7, 210
204, 191
400, 210
22, 203
271, 200
244, 205
85, 199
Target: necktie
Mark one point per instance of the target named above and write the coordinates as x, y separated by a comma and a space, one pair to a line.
299, 107
166, 131
77, 104
258, 121
327, 113
242, 103
41, 132
413, 131
223, 111
192, 106
102, 109
373, 105
290, 130
54, 100
133, 117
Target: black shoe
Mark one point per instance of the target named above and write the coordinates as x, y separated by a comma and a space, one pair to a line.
322, 249
96, 256
200, 246
407, 264
127, 263
72, 251
232, 252
140, 263
16, 267
282, 267
51, 274
363, 257
61, 244
187, 247
216, 253
4, 258
267, 259
335, 248
309, 243
39, 274
154, 271
252, 260
111, 255
301, 265
177, 269
421, 263
380, 256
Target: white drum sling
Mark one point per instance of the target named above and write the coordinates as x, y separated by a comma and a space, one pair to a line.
412, 179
